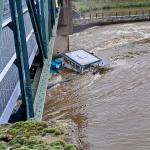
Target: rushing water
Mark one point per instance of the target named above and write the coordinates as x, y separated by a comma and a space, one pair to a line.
112, 110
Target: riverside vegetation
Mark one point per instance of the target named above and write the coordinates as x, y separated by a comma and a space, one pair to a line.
90, 5
31, 135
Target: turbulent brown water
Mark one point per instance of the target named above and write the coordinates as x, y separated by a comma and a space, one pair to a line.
112, 110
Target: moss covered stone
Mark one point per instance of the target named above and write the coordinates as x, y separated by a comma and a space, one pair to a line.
58, 143
49, 130
27, 129
27, 136
70, 147
3, 146
53, 131
57, 132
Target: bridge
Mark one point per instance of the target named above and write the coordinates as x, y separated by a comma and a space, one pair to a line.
28, 31
31, 33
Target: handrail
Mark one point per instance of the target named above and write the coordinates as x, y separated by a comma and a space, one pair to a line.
5, 22
8, 20
13, 58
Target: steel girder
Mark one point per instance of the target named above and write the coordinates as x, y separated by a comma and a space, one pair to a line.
17, 25
42, 88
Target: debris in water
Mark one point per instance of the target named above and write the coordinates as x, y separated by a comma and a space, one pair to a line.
56, 65
81, 61
101, 70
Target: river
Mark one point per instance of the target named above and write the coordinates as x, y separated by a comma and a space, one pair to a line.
112, 110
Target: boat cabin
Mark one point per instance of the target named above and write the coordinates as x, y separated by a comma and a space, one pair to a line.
80, 60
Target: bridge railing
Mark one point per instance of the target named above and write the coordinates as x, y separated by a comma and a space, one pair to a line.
122, 13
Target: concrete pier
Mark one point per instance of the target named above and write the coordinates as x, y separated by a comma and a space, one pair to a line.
65, 28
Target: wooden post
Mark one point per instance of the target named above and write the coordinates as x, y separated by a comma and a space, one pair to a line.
96, 15
136, 12
103, 15
129, 13
116, 14
90, 16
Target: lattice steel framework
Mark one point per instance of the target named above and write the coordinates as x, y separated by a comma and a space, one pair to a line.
28, 30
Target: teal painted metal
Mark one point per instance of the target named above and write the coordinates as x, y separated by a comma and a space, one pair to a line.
48, 28
25, 57
42, 88
46, 22
49, 19
1, 14
44, 18
35, 16
44, 25
22, 55
36, 81
18, 61
54, 9
38, 9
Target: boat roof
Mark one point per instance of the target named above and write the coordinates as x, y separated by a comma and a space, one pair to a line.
82, 57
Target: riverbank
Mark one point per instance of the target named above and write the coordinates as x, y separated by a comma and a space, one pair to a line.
32, 135
111, 111
87, 6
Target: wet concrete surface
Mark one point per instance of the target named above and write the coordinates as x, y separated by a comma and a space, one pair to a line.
112, 111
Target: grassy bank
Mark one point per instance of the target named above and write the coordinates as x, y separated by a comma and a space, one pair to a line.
33, 135
90, 5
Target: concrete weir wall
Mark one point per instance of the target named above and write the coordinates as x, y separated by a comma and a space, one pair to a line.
65, 28
83, 23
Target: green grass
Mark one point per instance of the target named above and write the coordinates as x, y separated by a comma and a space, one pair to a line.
90, 5
28, 136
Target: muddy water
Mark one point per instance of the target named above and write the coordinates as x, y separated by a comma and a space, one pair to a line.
112, 110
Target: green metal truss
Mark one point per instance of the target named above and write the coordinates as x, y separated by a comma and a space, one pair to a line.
42, 87
17, 26
44, 18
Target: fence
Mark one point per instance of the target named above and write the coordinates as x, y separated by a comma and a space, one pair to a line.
115, 14
105, 18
